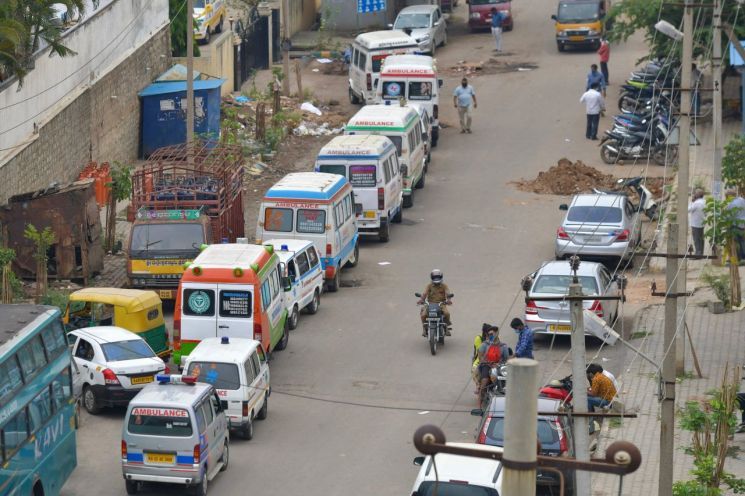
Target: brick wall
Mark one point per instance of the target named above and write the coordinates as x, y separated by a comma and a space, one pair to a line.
102, 124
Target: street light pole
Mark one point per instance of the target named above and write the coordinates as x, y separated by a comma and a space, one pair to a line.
579, 393
286, 47
716, 59
190, 73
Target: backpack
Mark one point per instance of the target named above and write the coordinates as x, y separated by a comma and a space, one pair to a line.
493, 354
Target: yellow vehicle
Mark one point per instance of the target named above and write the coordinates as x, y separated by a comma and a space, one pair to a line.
580, 23
135, 310
210, 17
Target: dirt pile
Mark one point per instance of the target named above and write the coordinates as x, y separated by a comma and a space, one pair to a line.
567, 178
491, 66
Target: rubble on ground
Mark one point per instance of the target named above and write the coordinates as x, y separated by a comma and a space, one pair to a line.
490, 66
567, 178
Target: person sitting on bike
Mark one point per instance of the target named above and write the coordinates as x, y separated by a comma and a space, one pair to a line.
436, 292
492, 352
477, 342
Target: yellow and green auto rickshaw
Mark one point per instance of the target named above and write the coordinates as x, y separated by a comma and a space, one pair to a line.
133, 309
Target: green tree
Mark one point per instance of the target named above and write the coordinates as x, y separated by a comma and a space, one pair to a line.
120, 190
42, 240
12, 34
733, 164
177, 13
629, 16
7, 255
722, 229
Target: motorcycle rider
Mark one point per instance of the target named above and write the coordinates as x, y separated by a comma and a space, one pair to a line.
492, 352
436, 292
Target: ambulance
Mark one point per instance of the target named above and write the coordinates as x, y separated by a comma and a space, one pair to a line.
414, 78
232, 290
371, 164
318, 207
400, 124
368, 52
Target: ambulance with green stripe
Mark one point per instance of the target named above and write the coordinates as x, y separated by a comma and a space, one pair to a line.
400, 124
232, 290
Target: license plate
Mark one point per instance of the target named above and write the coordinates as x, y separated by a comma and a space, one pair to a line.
145, 379
593, 239
369, 214
576, 38
166, 294
358, 208
160, 458
560, 329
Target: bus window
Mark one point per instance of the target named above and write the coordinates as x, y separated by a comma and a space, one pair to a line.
14, 434
40, 409
54, 338
61, 389
10, 376
32, 357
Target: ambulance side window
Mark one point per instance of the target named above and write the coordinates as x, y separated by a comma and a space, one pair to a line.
266, 294
356, 57
363, 61
275, 276
387, 170
313, 256
250, 373
274, 283
201, 424
302, 264
209, 415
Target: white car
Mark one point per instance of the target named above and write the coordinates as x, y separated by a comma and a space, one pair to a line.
112, 365
425, 24
461, 475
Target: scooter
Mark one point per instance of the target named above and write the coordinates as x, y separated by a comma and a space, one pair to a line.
435, 323
559, 390
621, 145
647, 203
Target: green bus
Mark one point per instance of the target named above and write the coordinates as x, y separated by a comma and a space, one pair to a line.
37, 405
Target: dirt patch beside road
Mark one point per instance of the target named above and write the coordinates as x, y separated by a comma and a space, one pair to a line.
567, 178
490, 66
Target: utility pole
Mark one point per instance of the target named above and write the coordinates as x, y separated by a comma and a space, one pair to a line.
189, 75
520, 430
686, 89
286, 47
579, 372
716, 60
667, 409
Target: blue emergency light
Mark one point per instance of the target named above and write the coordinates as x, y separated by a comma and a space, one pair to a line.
225, 340
176, 379
284, 248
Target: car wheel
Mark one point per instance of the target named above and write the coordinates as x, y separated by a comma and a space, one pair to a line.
282, 344
435, 137
247, 432
560, 46
218, 29
399, 215
608, 155
314, 303
353, 99
225, 457
445, 39
355, 257
293, 318
420, 183
409, 200
332, 286
264, 412
133, 487
384, 233
201, 489
90, 401
207, 36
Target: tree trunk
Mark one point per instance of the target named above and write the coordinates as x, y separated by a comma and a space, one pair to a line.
734, 274
110, 222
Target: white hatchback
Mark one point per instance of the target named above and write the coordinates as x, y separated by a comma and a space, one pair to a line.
456, 474
112, 365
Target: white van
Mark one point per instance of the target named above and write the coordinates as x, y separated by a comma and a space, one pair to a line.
305, 272
400, 124
368, 52
426, 122
371, 164
413, 77
318, 207
238, 370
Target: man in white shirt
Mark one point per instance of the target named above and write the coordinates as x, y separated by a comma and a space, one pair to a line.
594, 104
696, 220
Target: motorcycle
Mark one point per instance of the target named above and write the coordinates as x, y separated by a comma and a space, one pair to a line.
559, 390
647, 203
435, 323
620, 144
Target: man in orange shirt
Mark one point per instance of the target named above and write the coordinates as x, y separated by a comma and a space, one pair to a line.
604, 53
601, 392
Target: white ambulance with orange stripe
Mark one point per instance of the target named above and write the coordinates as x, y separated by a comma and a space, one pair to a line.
413, 77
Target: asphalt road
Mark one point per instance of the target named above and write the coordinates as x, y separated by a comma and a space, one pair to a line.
364, 346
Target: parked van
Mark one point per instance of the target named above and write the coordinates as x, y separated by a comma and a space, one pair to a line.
175, 432
232, 290
401, 125
413, 77
305, 272
238, 369
368, 52
371, 164
318, 207
580, 23
426, 121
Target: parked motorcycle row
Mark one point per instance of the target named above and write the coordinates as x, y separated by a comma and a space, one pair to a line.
647, 104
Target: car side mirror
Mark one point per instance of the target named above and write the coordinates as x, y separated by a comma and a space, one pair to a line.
390, 26
564, 207
477, 412
418, 461
424, 137
403, 170
440, 82
553, 17
418, 295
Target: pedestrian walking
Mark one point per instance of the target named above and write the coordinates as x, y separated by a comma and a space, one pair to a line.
696, 220
737, 203
604, 54
464, 99
594, 104
496, 27
596, 77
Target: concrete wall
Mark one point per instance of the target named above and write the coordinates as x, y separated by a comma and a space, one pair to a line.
216, 59
344, 17
98, 119
302, 15
101, 42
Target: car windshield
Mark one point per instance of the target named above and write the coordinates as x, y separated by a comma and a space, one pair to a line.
160, 237
578, 11
412, 21
157, 421
127, 350
487, 2
333, 169
432, 488
547, 434
594, 215
220, 375
554, 284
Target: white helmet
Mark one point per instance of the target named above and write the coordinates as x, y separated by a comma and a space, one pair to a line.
436, 276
